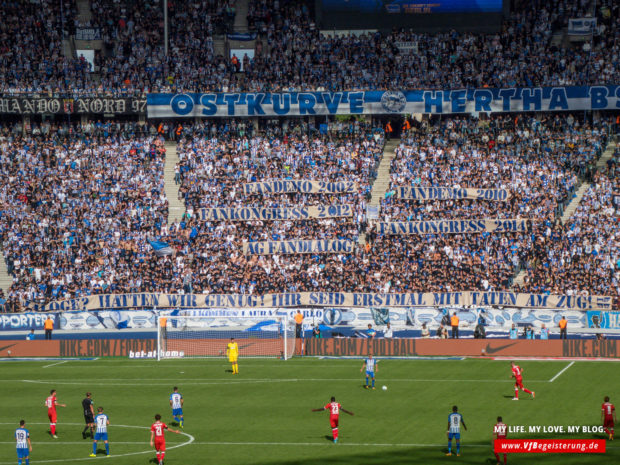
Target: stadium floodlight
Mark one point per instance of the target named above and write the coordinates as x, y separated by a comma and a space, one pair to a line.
208, 336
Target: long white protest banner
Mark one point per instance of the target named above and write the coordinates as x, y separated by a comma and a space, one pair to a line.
454, 226
451, 193
329, 299
298, 247
272, 214
303, 186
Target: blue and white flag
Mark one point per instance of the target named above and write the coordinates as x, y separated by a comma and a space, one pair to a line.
161, 248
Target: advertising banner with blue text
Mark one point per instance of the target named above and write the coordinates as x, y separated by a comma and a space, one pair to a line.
512, 99
302, 186
606, 320
451, 193
275, 214
298, 247
454, 226
328, 299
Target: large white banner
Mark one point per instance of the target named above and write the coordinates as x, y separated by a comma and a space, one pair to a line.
454, 226
275, 214
303, 186
451, 193
298, 247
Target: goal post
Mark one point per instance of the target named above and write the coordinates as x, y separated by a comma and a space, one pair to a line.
208, 336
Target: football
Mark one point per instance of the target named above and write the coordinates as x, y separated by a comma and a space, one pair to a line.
384, 388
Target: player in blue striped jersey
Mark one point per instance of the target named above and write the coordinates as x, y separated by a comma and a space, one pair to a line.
371, 366
24, 447
101, 432
454, 430
176, 402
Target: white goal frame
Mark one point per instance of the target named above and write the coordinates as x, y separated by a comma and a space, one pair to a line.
212, 328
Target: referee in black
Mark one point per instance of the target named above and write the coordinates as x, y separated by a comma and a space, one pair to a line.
89, 416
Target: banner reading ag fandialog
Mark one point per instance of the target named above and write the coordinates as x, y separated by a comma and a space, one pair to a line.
274, 214
298, 247
454, 226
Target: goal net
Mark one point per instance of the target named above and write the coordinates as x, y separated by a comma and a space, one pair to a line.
203, 336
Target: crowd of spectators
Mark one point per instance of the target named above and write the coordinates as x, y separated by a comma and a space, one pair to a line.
78, 204
81, 202
583, 255
292, 54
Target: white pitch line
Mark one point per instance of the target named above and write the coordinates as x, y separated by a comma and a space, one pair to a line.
190, 440
561, 371
54, 364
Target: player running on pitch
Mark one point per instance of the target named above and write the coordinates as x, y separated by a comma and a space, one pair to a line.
101, 433
158, 439
334, 414
372, 367
499, 432
24, 447
232, 350
608, 415
455, 419
176, 402
51, 403
517, 374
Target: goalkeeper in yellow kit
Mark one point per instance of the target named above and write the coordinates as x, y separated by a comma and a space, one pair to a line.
232, 350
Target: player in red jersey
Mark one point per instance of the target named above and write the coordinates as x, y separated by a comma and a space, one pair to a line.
499, 432
158, 439
51, 404
608, 415
517, 373
334, 413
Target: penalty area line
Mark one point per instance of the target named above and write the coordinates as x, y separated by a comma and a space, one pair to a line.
561, 371
54, 364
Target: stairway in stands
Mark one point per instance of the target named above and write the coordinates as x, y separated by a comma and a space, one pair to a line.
382, 182
570, 209
176, 207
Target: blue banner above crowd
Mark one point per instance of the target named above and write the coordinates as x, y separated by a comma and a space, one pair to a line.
454, 226
451, 193
195, 105
329, 299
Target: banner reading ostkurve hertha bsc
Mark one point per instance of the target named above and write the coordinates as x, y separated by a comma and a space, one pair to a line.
454, 226
512, 99
330, 299
275, 214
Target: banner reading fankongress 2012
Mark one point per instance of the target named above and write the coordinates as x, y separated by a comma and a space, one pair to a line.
275, 214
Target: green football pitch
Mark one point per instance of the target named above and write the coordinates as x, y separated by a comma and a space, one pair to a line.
262, 415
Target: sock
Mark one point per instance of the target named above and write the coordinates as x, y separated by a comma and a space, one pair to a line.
366, 380
176, 418
85, 429
458, 447
496, 456
95, 448
53, 428
527, 390
107, 448
516, 393
335, 433
19, 461
181, 421
449, 447
373, 382
162, 456
505, 458
606, 430
236, 368
28, 461
158, 456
